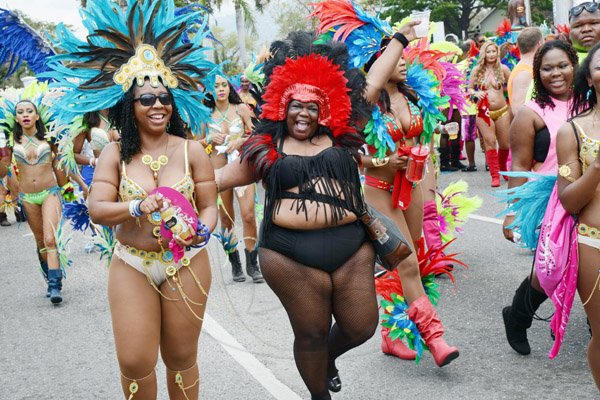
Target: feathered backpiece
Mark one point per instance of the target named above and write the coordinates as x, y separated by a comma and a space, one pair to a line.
512, 56
454, 207
19, 42
504, 33
425, 74
308, 72
344, 21
38, 94
147, 41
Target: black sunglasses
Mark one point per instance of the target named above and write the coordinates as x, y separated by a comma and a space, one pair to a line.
148, 99
589, 6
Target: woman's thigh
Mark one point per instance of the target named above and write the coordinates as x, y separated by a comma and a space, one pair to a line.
502, 131
488, 133
136, 318
35, 221
587, 284
51, 213
181, 319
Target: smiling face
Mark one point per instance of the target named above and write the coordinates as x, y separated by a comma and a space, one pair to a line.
221, 89
556, 73
151, 119
26, 115
302, 119
244, 83
585, 30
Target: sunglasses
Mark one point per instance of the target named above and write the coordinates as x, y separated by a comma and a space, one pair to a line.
589, 6
148, 99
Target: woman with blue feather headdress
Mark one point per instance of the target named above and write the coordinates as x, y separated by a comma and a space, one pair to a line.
142, 65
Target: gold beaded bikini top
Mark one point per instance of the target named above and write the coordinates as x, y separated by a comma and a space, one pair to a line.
130, 190
589, 148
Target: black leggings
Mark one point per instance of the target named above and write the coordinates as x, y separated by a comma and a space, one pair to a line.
311, 296
326, 249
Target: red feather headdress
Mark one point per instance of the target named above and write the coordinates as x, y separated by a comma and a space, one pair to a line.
311, 78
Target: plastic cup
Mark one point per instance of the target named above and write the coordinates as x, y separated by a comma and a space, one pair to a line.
452, 129
417, 160
421, 30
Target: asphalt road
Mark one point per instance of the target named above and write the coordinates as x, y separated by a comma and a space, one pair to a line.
67, 352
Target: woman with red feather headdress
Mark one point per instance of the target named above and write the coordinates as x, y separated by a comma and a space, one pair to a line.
313, 250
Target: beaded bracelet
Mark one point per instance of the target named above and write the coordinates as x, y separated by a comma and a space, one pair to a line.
202, 231
134, 208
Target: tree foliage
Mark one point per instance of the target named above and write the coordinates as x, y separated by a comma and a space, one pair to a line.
293, 16
229, 53
456, 14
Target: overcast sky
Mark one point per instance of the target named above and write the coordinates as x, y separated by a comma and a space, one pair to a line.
67, 11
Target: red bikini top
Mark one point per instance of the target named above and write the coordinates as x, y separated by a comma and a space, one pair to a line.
415, 127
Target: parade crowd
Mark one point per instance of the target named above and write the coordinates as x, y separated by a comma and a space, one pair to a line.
135, 139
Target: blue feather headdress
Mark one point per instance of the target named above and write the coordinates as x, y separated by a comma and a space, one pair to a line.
19, 42
124, 48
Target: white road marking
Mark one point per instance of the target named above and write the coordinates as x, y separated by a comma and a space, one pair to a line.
486, 219
28, 234
258, 370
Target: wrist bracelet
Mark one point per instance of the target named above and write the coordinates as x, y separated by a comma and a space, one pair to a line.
134, 208
202, 231
380, 162
401, 38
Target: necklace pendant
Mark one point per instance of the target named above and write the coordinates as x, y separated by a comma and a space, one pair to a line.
147, 159
155, 166
163, 160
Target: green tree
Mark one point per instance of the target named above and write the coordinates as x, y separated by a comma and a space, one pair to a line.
229, 54
243, 19
456, 14
292, 16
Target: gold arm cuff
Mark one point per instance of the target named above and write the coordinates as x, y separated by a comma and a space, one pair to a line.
565, 171
380, 162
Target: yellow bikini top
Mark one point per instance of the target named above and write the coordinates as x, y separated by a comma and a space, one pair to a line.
130, 190
589, 148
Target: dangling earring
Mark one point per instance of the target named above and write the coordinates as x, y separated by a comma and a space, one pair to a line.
168, 126
589, 94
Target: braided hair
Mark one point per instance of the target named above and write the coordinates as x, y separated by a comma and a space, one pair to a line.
541, 95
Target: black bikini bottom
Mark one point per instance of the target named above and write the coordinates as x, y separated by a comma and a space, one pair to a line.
326, 249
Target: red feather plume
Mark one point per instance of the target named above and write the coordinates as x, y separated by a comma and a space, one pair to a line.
473, 50
310, 78
504, 28
336, 13
564, 29
430, 262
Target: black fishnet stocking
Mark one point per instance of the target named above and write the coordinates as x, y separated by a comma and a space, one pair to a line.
311, 296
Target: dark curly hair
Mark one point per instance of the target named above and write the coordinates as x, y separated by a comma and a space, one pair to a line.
541, 95
122, 117
233, 98
582, 101
39, 125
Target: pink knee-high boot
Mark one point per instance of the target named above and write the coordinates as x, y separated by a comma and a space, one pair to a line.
431, 226
503, 160
395, 348
422, 313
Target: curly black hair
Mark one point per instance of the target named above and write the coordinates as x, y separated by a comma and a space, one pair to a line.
541, 95
122, 117
233, 98
584, 95
39, 125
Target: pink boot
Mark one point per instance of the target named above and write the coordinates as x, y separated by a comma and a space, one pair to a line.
395, 348
503, 155
431, 226
422, 313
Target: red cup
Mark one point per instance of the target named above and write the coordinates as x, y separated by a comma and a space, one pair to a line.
417, 159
